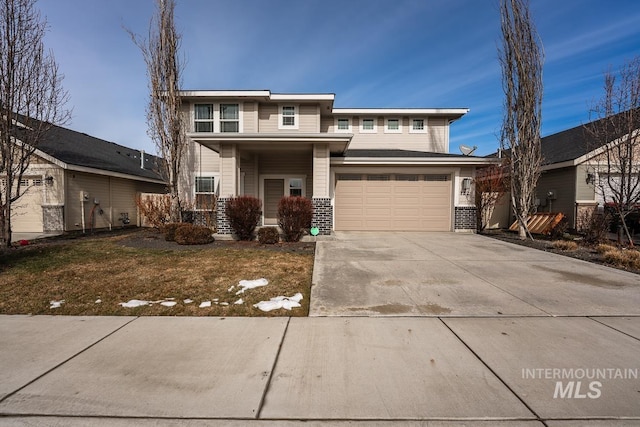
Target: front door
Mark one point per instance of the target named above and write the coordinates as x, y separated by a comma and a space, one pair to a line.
273, 192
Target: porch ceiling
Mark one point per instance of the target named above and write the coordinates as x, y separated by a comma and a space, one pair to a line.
337, 143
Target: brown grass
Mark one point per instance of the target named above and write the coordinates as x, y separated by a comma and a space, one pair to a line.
565, 245
84, 271
603, 248
628, 258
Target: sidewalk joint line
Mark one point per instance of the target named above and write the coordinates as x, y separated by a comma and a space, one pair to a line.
612, 327
273, 369
47, 372
493, 372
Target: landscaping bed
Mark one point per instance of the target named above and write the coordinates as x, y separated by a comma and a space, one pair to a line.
94, 274
582, 251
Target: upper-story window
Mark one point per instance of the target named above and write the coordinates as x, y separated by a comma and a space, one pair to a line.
343, 125
368, 126
393, 126
418, 126
203, 118
229, 118
288, 117
217, 118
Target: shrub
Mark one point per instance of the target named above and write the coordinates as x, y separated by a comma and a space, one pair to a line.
268, 235
603, 247
565, 245
189, 234
560, 229
594, 225
623, 258
155, 209
294, 216
244, 214
169, 231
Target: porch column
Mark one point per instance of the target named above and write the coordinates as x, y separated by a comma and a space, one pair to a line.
322, 209
228, 184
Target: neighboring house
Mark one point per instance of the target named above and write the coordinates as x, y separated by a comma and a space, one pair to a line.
570, 171
78, 182
363, 168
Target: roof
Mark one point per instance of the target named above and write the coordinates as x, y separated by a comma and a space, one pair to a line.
398, 154
79, 149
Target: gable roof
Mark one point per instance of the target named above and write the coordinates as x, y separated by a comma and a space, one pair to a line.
75, 149
576, 142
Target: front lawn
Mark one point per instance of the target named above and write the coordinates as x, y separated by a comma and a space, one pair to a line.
94, 275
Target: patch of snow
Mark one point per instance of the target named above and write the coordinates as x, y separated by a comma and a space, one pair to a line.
216, 299
134, 303
224, 303
250, 284
56, 304
280, 302
205, 304
188, 301
231, 288
168, 303
98, 301
240, 301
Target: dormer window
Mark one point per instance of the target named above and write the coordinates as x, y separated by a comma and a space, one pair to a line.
288, 117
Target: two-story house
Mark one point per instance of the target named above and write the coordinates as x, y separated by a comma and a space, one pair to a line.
363, 168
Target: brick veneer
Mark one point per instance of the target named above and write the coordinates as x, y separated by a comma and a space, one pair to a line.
465, 218
223, 226
322, 215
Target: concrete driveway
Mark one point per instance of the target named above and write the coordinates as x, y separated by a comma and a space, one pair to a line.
454, 274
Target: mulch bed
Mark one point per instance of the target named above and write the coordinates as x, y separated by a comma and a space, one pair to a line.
544, 243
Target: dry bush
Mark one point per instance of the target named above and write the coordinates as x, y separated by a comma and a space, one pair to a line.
593, 225
603, 247
244, 214
169, 230
189, 234
629, 258
565, 245
268, 235
155, 208
294, 216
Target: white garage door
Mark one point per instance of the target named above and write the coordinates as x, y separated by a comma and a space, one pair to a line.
26, 212
393, 202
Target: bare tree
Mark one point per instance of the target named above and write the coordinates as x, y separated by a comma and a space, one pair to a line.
615, 129
491, 184
521, 58
31, 99
164, 118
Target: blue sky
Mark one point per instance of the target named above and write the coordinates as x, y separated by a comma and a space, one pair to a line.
370, 53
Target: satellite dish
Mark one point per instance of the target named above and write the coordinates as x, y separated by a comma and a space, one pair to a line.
466, 150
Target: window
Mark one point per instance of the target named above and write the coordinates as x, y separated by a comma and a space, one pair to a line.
417, 126
343, 125
295, 187
465, 187
37, 182
229, 118
24, 182
368, 126
378, 178
288, 117
203, 118
393, 126
407, 177
205, 192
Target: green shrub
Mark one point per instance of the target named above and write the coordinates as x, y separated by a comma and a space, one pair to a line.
268, 235
244, 214
169, 231
189, 234
294, 216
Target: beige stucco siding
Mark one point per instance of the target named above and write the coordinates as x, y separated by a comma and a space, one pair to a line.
228, 170
248, 171
321, 159
562, 183
584, 191
288, 164
307, 116
268, 118
250, 117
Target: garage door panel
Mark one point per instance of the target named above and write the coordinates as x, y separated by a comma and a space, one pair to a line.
394, 205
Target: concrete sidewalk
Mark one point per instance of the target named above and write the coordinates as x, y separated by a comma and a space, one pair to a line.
453, 371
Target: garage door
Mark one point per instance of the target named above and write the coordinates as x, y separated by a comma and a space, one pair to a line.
26, 212
393, 202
